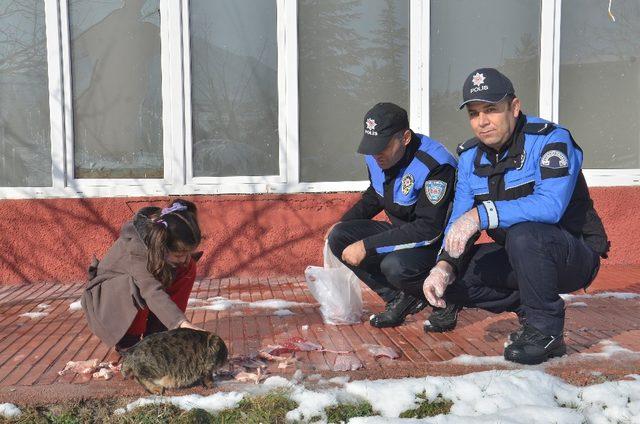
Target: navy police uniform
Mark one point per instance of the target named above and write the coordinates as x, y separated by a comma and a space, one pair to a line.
415, 194
533, 201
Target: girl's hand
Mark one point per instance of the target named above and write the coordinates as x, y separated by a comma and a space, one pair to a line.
187, 324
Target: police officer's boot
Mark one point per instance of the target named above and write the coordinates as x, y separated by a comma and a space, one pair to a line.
512, 337
442, 319
532, 347
397, 310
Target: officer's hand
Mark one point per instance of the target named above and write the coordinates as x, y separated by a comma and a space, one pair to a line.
436, 283
326, 235
460, 232
354, 253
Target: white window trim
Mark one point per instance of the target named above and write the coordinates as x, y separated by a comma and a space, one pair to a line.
176, 85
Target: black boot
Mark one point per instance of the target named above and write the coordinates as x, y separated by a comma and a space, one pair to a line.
512, 337
532, 347
397, 310
442, 319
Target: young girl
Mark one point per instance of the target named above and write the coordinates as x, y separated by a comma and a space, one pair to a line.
143, 283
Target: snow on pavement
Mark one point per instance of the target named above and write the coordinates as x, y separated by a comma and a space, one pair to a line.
602, 295
220, 303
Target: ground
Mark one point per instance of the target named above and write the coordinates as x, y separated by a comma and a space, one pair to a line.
33, 348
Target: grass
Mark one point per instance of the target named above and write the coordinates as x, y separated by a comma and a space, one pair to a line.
427, 408
270, 408
101, 411
345, 411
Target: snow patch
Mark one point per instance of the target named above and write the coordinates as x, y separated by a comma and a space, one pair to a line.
513, 396
283, 313
576, 305
9, 410
34, 315
480, 360
75, 306
603, 295
220, 303
212, 403
276, 304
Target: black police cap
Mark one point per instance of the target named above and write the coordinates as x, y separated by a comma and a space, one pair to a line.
486, 85
380, 124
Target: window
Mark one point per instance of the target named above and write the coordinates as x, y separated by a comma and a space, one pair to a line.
234, 88
351, 56
600, 81
156, 97
468, 34
117, 102
25, 148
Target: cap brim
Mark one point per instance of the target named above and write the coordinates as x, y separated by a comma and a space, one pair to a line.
372, 145
490, 99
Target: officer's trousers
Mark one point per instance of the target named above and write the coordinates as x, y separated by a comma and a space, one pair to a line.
526, 275
386, 274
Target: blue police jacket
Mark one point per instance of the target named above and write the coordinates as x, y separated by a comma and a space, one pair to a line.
538, 178
415, 194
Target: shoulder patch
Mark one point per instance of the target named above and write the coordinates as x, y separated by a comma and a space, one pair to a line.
538, 128
469, 144
435, 190
554, 161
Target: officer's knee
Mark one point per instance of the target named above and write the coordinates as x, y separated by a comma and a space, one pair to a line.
337, 239
392, 268
522, 236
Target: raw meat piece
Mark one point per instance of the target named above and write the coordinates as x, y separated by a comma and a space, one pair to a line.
103, 373
347, 363
377, 351
80, 367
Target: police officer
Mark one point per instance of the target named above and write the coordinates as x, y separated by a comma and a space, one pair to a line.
519, 179
412, 179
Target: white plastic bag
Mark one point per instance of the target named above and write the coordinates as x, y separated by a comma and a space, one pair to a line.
337, 289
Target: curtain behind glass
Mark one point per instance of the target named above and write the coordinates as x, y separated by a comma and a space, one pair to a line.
352, 55
25, 149
117, 102
471, 34
600, 81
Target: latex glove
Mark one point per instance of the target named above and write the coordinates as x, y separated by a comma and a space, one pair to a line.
435, 285
460, 232
354, 253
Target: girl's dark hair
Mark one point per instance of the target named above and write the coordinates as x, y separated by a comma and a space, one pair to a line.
173, 229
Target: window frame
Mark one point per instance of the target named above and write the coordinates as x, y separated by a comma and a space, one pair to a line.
177, 119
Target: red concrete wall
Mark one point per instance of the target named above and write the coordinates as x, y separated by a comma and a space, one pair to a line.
245, 235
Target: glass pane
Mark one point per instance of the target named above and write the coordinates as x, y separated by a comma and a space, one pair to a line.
25, 149
352, 55
117, 104
600, 80
471, 34
234, 87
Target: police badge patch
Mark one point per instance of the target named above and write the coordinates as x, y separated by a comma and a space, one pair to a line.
407, 184
554, 159
435, 190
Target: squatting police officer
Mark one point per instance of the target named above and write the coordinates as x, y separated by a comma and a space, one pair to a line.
519, 179
412, 179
